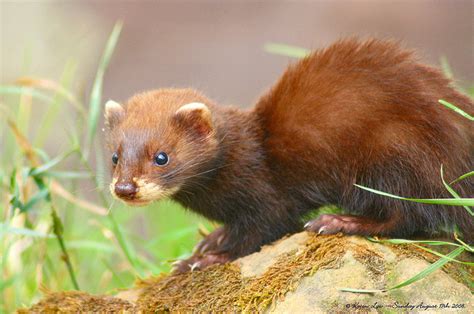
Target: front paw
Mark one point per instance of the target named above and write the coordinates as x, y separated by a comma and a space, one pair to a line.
198, 262
212, 243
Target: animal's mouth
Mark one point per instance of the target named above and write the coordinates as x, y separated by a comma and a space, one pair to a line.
131, 201
135, 202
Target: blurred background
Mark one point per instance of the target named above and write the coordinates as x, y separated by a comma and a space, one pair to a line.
214, 46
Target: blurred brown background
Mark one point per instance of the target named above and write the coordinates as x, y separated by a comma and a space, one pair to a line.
215, 46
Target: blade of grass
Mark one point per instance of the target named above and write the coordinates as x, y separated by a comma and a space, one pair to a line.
442, 255
41, 153
430, 269
6, 283
174, 235
4, 228
40, 195
113, 272
24, 144
286, 50
446, 68
152, 267
50, 164
24, 113
466, 246
52, 86
54, 109
126, 248
56, 187
17, 90
470, 91
452, 192
404, 241
59, 190
464, 176
364, 291
91, 245
100, 168
5, 112
69, 174
96, 94
14, 189
456, 109
58, 231
439, 201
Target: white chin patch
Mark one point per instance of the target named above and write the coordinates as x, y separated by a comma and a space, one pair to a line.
147, 192
136, 203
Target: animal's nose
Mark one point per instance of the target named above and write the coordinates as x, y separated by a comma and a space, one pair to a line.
126, 189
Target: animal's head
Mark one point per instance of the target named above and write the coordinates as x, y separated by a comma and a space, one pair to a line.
158, 142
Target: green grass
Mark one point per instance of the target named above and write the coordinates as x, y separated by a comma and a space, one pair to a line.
109, 245
286, 50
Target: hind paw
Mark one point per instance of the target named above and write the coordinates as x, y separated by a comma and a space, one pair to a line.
331, 224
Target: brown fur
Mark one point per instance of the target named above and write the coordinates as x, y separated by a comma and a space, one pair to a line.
356, 112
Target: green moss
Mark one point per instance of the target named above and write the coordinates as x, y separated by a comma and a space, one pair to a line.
219, 288
222, 288
215, 288
285, 274
77, 301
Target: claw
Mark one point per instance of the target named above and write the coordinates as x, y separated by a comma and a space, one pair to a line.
175, 263
204, 248
321, 230
174, 269
195, 266
306, 225
220, 239
197, 248
175, 266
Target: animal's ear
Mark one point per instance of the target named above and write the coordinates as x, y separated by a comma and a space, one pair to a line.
195, 117
114, 114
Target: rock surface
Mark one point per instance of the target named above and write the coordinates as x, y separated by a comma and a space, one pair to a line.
301, 273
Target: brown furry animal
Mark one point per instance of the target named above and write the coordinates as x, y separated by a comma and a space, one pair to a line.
356, 112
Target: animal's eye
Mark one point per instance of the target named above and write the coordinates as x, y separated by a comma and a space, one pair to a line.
161, 159
115, 158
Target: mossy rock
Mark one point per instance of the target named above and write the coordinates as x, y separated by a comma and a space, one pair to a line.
301, 273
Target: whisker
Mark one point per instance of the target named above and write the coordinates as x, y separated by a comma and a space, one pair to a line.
204, 172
